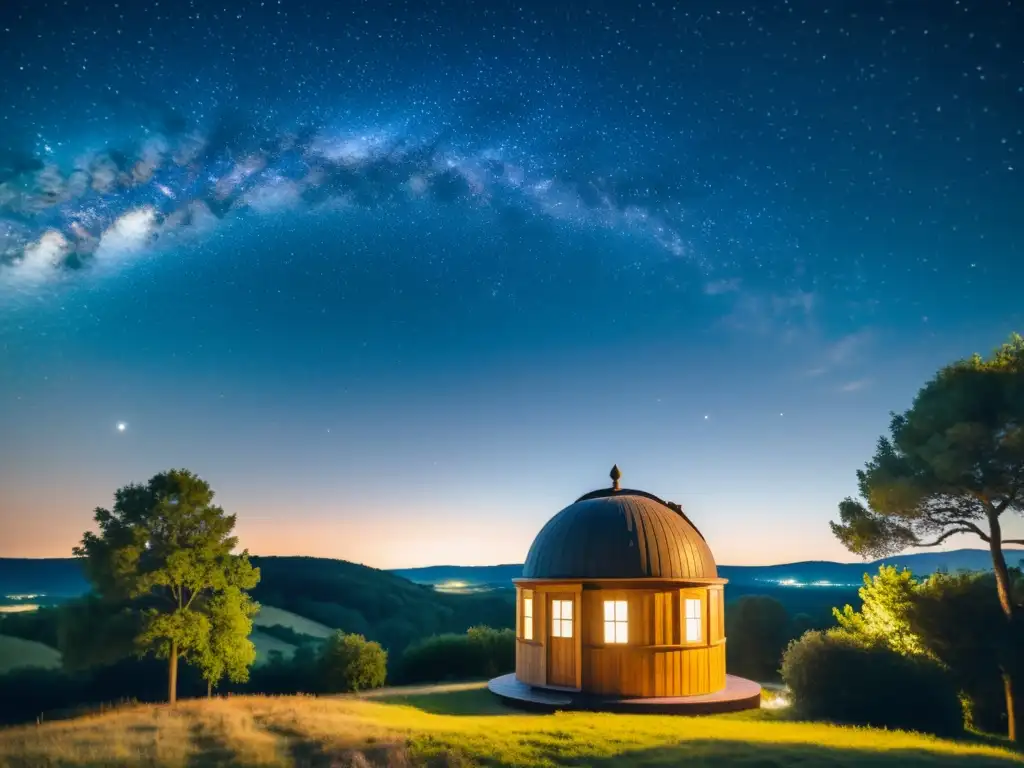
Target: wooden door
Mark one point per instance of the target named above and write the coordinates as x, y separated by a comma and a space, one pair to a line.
562, 627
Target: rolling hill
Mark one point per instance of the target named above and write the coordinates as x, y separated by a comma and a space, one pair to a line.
62, 577
463, 726
808, 572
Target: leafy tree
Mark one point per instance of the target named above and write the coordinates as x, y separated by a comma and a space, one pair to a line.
95, 632
228, 652
758, 629
480, 652
953, 463
352, 663
960, 623
884, 616
953, 619
168, 548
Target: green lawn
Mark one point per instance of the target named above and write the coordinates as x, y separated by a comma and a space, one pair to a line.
460, 725
16, 653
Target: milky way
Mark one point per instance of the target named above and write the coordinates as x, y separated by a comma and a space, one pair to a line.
60, 218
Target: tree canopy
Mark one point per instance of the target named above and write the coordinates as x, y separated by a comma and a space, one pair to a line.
952, 619
166, 548
352, 663
952, 464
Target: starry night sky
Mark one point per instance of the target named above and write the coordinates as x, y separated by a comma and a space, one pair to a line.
403, 279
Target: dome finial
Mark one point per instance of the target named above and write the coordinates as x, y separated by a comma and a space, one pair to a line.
615, 474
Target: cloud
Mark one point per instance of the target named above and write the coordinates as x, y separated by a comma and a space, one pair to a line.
788, 316
847, 349
855, 386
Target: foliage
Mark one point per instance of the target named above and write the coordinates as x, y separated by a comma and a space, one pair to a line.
960, 622
40, 625
954, 462
168, 547
758, 629
835, 676
376, 604
352, 663
275, 731
954, 619
480, 652
300, 673
28, 693
228, 652
97, 632
884, 616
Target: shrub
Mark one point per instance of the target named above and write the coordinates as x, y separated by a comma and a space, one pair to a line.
481, 652
352, 663
834, 676
758, 629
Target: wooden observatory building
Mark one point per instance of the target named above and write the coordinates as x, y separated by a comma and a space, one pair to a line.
620, 598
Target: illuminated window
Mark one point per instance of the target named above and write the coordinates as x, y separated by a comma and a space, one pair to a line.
561, 618
693, 622
528, 618
616, 628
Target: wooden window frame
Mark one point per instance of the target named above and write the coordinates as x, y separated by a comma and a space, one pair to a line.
615, 622
528, 617
701, 597
559, 622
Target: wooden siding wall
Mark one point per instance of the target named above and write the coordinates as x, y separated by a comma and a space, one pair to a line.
531, 658
638, 671
655, 662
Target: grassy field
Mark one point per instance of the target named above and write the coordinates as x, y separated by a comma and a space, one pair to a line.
269, 615
16, 653
457, 727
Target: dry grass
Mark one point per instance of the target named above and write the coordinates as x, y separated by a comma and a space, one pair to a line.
16, 653
437, 729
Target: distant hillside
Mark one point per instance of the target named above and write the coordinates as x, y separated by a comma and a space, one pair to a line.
337, 594
54, 576
63, 576
920, 563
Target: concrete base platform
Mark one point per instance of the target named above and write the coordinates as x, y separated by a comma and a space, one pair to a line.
738, 694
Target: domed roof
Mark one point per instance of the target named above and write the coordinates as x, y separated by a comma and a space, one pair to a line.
620, 534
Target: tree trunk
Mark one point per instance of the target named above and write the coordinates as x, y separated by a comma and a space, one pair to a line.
1002, 575
1011, 711
209, 689
172, 677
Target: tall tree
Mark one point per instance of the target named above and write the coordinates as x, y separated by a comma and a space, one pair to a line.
166, 547
953, 463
